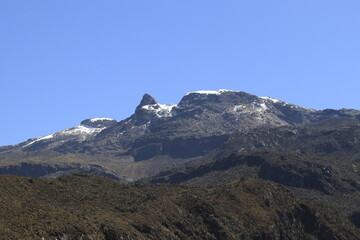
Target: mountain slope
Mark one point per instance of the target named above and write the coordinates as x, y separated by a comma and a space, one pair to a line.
318, 162
88, 129
85, 207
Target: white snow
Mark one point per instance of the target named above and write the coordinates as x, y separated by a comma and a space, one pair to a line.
161, 110
40, 139
270, 99
286, 104
258, 107
45, 137
237, 108
207, 92
261, 107
354, 168
100, 119
80, 132
167, 107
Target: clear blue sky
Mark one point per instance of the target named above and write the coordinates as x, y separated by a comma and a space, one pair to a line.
65, 61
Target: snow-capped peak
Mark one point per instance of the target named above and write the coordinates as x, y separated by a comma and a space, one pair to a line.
100, 122
80, 130
100, 119
80, 133
208, 92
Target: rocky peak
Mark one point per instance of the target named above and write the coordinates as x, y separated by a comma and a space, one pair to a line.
146, 100
217, 102
216, 97
149, 109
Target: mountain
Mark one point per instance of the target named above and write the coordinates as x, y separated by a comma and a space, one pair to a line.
202, 114
217, 165
88, 129
159, 136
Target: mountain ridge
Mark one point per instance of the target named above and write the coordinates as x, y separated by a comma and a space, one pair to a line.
162, 136
225, 110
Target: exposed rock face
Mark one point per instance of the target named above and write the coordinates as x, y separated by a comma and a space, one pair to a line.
147, 100
355, 218
322, 156
182, 147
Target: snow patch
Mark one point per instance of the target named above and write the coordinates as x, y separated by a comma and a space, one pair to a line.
80, 132
270, 99
255, 107
46, 137
237, 108
100, 119
261, 107
286, 104
207, 92
161, 110
40, 139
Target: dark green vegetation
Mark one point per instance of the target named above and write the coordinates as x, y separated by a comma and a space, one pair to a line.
89, 207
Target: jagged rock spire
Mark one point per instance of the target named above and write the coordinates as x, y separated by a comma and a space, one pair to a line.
146, 100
